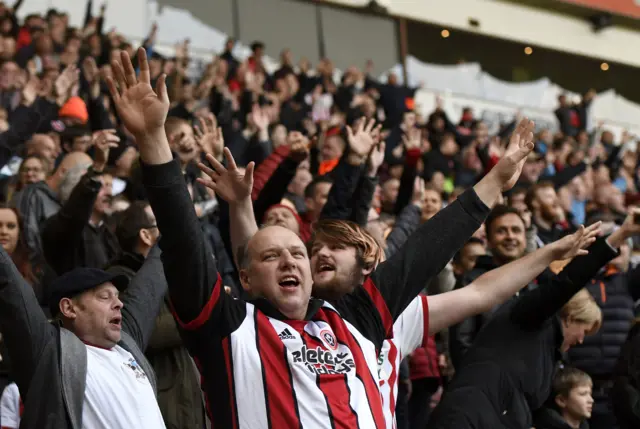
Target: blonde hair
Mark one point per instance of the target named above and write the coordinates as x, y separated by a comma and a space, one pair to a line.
582, 308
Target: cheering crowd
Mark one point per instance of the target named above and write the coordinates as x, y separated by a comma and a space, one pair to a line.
246, 249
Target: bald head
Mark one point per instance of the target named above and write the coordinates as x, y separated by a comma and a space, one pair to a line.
44, 146
276, 267
248, 251
73, 160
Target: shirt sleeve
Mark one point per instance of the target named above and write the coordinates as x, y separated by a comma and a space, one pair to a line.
10, 407
410, 327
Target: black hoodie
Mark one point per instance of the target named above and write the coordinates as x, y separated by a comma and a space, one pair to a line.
548, 418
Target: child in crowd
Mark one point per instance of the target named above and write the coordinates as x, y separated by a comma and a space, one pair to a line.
571, 401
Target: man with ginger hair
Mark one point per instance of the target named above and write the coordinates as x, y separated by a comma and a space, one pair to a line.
283, 359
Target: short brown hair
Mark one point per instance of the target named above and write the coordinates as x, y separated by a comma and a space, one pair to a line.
172, 123
569, 378
349, 233
533, 191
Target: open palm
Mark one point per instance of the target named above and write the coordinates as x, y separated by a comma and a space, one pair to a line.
141, 109
229, 183
520, 146
361, 141
576, 244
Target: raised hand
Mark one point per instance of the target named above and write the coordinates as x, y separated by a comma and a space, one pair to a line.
209, 136
260, 118
575, 244
361, 141
509, 167
299, 145
230, 183
90, 69
30, 90
65, 83
376, 158
103, 141
412, 139
417, 197
142, 110
629, 228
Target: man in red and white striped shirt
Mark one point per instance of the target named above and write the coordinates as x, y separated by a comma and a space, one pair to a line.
351, 251
281, 359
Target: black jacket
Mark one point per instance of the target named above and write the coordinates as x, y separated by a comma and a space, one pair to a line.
195, 281
548, 418
462, 335
509, 369
126, 263
599, 353
69, 241
36, 203
626, 387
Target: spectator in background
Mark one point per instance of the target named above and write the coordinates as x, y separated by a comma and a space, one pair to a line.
615, 290
570, 402
179, 395
39, 201
506, 242
467, 257
77, 235
33, 169
547, 213
625, 394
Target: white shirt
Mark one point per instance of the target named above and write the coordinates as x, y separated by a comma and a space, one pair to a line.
410, 331
118, 394
10, 407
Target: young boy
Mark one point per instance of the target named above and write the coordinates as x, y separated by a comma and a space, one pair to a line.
572, 402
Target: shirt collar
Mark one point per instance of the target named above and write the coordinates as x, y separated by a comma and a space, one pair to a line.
271, 311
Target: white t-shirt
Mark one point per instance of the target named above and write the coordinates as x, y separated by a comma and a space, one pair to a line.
10, 407
118, 393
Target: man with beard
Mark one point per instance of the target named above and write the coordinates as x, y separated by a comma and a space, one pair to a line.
506, 243
344, 255
283, 359
547, 214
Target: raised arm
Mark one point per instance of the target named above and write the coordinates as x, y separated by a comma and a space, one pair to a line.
340, 204
194, 286
546, 300
434, 244
143, 298
62, 234
234, 187
496, 286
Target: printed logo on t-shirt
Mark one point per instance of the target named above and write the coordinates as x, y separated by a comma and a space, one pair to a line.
137, 370
320, 361
286, 334
328, 339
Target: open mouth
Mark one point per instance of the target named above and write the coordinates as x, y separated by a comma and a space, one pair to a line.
116, 321
326, 267
289, 282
